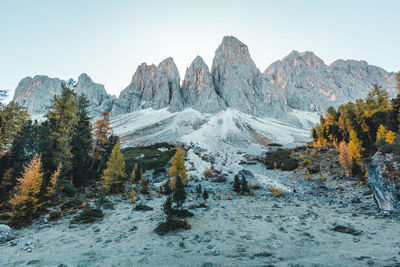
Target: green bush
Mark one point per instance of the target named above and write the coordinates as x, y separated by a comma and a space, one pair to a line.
152, 157
67, 188
281, 159
88, 215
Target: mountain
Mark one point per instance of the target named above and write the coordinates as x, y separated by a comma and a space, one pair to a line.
198, 91
240, 84
307, 83
300, 81
36, 93
154, 87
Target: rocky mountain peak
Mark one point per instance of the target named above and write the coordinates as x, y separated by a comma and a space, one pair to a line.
306, 58
309, 84
95, 92
198, 91
240, 84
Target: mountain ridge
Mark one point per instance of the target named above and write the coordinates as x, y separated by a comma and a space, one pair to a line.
300, 80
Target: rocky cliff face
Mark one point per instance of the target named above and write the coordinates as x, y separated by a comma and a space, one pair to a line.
155, 87
36, 93
198, 91
240, 84
309, 84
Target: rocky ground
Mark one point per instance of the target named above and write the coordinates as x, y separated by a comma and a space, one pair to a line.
297, 229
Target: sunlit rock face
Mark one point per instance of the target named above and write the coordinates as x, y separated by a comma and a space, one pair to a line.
95, 92
35, 93
309, 84
155, 87
240, 84
198, 91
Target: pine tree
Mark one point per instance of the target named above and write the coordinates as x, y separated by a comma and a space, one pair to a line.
24, 201
61, 118
112, 177
199, 190
179, 195
167, 209
345, 159
205, 195
178, 166
167, 187
101, 132
12, 119
111, 142
53, 187
81, 142
6, 184
236, 185
244, 185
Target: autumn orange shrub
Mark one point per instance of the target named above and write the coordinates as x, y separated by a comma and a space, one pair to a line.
229, 198
276, 192
208, 173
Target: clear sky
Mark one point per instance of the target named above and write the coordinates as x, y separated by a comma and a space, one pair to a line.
109, 39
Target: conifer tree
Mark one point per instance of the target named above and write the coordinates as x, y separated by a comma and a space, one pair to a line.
199, 190
167, 187
244, 185
205, 195
101, 132
236, 185
61, 118
24, 201
355, 148
179, 195
53, 187
167, 209
12, 119
81, 141
111, 142
178, 166
112, 177
345, 159
133, 175
6, 184
381, 133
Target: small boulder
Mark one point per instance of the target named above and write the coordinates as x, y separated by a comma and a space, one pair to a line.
6, 233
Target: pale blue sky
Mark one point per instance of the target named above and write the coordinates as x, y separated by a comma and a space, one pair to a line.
109, 39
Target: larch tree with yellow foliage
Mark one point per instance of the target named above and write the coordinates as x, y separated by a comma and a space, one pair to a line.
101, 131
53, 187
114, 173
381, 133
178, 166
345, 159
355, 148
24, 201
390, 137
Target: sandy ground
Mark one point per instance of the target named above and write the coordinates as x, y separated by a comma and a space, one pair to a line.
257, 230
